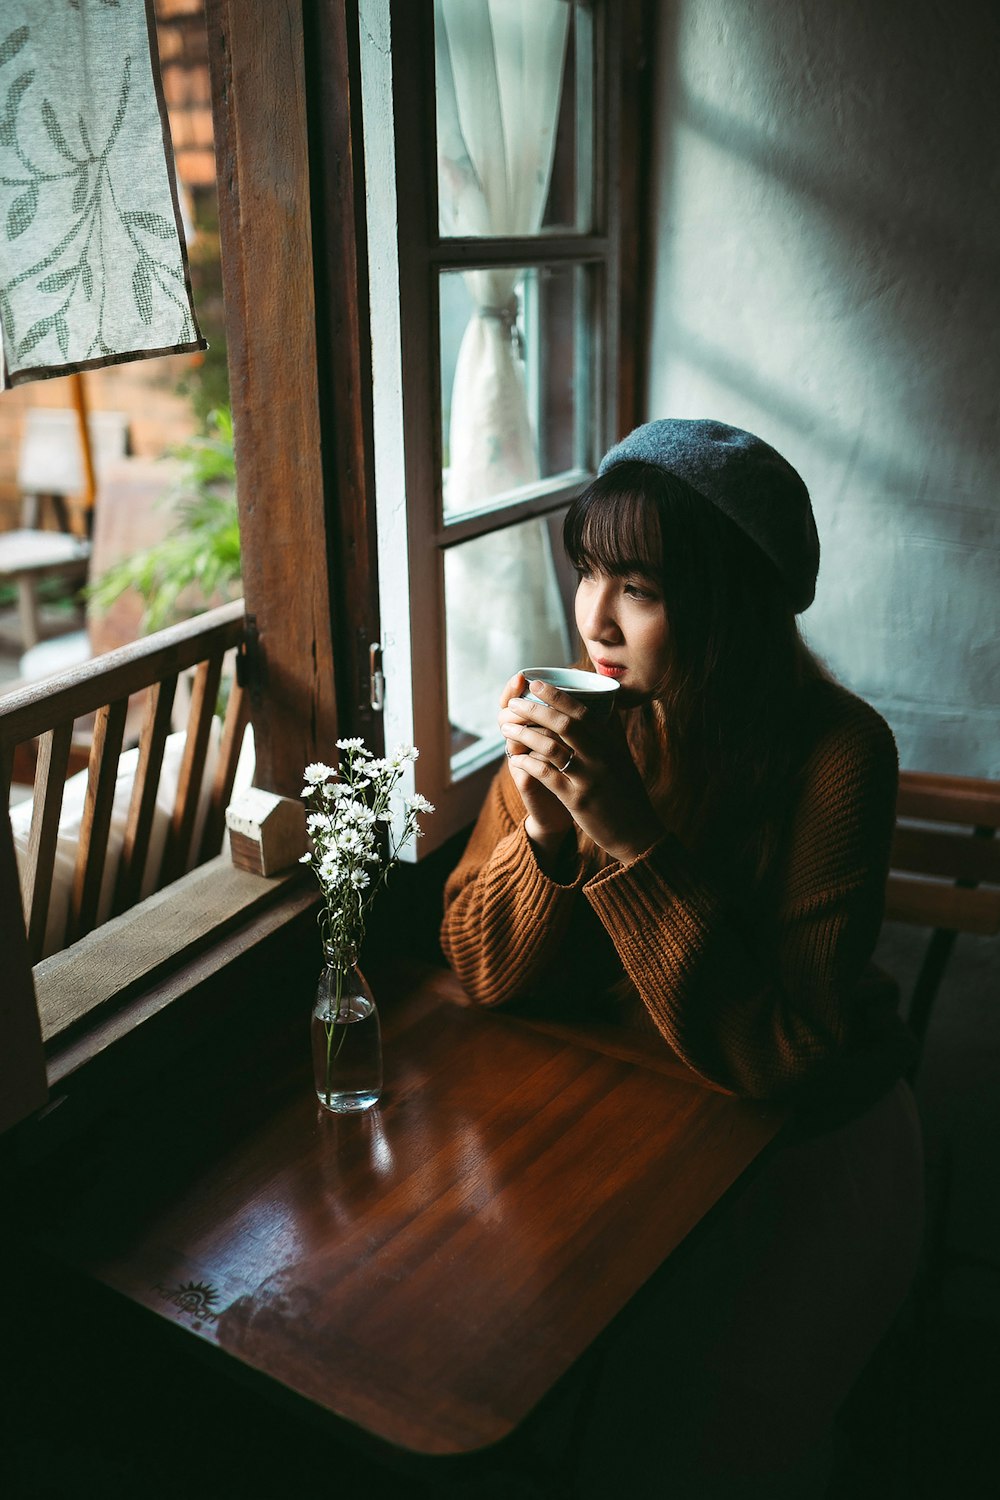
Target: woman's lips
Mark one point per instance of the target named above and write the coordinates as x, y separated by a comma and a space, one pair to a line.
609, 668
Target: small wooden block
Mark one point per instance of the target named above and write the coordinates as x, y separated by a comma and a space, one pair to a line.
267, 833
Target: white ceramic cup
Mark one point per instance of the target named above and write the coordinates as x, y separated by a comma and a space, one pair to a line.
597, 692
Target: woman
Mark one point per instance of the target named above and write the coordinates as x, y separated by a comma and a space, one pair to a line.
711, 865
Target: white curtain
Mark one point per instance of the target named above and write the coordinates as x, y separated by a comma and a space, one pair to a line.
499, 80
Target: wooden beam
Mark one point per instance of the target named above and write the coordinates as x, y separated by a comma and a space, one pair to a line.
257, 60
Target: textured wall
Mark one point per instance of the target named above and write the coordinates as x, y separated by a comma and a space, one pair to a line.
827, 256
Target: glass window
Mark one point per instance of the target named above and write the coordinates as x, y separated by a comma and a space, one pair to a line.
516, 385
514, 89
504, 607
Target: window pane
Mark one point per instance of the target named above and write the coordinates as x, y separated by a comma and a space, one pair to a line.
515, 382
515, 117
506, 607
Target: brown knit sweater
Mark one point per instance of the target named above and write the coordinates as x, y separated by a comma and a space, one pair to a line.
769, 996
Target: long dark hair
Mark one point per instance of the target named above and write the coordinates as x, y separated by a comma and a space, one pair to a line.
717, 745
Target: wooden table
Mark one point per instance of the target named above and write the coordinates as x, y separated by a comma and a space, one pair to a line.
428, 1270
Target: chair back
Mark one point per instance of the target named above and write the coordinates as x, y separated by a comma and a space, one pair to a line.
945, 871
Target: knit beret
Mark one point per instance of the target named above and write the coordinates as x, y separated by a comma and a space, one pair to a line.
746, 479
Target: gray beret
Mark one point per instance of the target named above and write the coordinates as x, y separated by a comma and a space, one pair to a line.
749, 482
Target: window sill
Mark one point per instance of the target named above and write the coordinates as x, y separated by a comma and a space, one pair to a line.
123, 973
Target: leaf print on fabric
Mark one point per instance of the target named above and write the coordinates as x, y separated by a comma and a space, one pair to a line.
13, 44
55, 132
142, 290
155, 223
22, 212
56, 281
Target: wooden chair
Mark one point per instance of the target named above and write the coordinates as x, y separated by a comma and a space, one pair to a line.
945, 872
51, 469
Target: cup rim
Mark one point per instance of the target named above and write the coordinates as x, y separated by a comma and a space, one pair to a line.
594, 682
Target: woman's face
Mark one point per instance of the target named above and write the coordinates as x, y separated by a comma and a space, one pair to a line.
623, 623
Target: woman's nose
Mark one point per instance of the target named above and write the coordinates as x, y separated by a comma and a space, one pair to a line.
595, 614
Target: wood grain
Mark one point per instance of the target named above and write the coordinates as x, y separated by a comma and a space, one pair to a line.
50, 779
23, 1084
428, 1270
139, 826
92, 850
948, 799
931, 904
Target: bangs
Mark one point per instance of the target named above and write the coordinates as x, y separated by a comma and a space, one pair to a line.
614, 526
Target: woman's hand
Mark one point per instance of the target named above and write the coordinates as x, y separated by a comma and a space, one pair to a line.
568, 756
548, 821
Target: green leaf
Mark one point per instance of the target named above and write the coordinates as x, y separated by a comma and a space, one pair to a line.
13, 44
62, 334
142, 290
141, 218
88, 280
34, 336
22, 212
57, 280
55, 131
80, 191
6, 314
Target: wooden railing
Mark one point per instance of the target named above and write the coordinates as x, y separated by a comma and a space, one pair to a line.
46, 713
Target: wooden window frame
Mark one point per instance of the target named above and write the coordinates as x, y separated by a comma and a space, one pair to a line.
287, 111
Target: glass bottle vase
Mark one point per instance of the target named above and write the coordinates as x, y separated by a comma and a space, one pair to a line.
346, 1037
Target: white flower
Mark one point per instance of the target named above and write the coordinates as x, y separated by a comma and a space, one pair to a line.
418, 803
403, 753
359, 879
316, 773
319, 823
305, 859
356, 811
354, 744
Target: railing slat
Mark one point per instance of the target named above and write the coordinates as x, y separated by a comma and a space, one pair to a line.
135, 846
203, 700
50, 781
105, 749
237, 718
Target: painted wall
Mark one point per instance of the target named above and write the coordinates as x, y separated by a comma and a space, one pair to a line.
826, 216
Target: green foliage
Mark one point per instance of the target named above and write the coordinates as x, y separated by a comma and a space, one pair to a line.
198, 562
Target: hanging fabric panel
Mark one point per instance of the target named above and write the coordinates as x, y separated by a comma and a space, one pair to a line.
93, 269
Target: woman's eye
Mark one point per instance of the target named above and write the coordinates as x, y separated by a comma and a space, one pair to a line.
638, 591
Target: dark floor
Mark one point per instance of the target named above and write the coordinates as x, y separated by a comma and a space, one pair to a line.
921, 1426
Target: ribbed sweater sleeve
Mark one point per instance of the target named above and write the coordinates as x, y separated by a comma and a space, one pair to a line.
505, 920
760, 1011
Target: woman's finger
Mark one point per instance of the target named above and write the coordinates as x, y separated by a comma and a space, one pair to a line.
559, 724
540, 742
515, 686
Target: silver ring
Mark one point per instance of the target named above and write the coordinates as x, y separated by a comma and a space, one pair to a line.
563, 769
506, 749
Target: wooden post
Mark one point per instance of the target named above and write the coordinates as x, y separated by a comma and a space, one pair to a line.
23, 1083
257, 60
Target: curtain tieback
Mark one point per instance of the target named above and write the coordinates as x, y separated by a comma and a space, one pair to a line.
506, 316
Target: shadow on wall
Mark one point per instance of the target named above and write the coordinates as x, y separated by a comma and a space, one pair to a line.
827, 232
